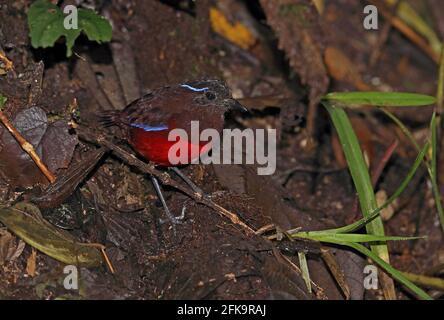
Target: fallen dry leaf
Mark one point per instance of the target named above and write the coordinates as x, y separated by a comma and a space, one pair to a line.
388, 212
51, 141
235, 32
341, 68
6, 245
31, 263
10, 248
297, 27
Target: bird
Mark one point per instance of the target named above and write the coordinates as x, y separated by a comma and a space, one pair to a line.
147, 122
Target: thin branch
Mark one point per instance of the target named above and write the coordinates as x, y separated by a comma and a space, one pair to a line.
440, 91
405, 29
163, 177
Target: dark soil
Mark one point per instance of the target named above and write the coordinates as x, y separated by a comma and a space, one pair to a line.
279, 77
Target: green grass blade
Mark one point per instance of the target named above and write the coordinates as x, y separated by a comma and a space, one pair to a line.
304, 270
396, 274
379, 99
433, 171
408, 14
349, 237
440, 89
429, 163
434, 144
425, 281
358, 168
403, 128
361, 178
362, 222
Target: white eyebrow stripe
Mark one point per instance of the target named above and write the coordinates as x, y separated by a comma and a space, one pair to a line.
193, 88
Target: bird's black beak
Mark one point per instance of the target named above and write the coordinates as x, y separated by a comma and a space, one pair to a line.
233, 104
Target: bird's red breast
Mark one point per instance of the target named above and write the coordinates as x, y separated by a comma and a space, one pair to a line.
154, 146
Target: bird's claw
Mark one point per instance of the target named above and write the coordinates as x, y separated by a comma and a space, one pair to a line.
173, 219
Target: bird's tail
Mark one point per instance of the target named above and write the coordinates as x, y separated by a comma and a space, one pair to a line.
108, 118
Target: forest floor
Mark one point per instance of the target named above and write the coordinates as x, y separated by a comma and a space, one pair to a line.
290, 56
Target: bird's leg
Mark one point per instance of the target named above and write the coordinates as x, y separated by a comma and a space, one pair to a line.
188, 181
174, 220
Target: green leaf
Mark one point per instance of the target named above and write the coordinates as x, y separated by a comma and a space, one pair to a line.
45, 21
25, 221
386, 99
96, 28
2, 101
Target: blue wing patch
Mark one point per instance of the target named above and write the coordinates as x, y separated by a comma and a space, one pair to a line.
147, 127
193, 88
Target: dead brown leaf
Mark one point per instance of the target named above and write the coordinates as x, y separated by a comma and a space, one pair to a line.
297, 27
52, 142
6, 245
341, 68
31, 263
10, 247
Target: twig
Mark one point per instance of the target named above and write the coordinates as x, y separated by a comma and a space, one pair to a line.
440, 91
107, 260
102, 248
284, 176
376, 174
163, 177
27, 147
402, 27
336, 271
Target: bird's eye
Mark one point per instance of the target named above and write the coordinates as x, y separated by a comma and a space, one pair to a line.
210, 95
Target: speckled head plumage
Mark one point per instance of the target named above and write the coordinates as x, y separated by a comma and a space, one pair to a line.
211, 93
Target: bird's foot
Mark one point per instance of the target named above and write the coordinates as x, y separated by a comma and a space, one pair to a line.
174, 220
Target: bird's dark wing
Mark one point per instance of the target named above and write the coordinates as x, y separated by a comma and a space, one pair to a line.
148, 112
